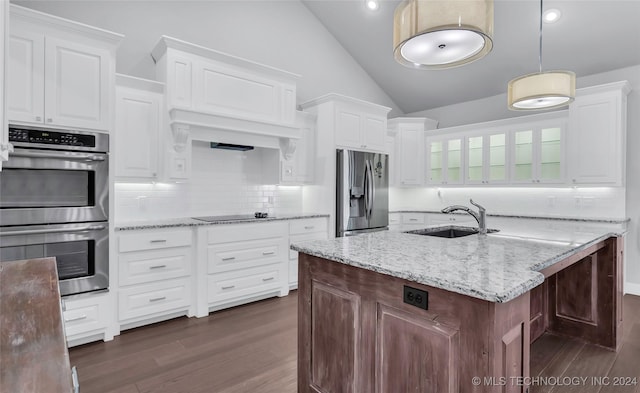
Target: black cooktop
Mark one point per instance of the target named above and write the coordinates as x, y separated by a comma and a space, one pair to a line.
233, 217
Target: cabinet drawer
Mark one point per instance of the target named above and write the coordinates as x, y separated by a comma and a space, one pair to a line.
147, 266
225, 233
395, 219
243, 283
137, 241
454, 219
242, 255
308, 225
141, 300
85, 315
413, 218
300, 238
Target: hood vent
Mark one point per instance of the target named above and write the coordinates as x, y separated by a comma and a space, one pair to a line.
230, 146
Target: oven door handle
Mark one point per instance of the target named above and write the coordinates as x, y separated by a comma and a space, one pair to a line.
59, 156
56, 230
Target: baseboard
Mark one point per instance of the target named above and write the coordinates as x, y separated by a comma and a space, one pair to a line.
632, 288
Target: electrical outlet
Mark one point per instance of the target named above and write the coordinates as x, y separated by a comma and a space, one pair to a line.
416, 297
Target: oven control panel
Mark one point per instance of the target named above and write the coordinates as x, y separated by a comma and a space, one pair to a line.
51, 137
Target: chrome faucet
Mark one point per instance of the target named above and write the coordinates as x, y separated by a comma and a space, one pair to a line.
480, 216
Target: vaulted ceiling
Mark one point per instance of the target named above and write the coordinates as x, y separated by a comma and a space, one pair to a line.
592, 36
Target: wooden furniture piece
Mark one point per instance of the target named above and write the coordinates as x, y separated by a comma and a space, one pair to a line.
356, 334
33, 351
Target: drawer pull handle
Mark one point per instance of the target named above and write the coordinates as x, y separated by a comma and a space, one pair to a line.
229, 287
157, 299
268, 279
413, 219
229, 259
268, 252
157, 267
159, 241
80, 318
309, 227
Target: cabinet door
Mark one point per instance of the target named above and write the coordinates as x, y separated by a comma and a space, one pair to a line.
374, 133
454, 161
411, 158
523, 165
393, 161
76, 85
551, 162
306, 156
496, 163
348, 129
435, 170
594, 139
137, 133
25, 82
475, 160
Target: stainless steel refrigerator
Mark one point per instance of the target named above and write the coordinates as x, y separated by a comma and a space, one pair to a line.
362, 192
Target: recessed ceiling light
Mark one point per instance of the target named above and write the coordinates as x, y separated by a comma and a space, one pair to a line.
551, 15
372, 4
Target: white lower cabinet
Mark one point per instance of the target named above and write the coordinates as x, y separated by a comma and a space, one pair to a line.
451, 219
395, 222
412, 221
240, 263
86, 318
154, 275
301, 230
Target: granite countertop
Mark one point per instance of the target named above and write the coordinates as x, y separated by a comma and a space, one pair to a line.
495, 267
561, 218
190, 222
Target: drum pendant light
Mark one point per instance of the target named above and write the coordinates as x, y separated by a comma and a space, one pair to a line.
437, 34
541, 90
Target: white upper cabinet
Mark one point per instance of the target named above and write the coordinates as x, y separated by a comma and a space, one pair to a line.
408, 164
138, 127
538, 151
5, 147
361, 126
445, 163
597, 135
486, 158
60, 73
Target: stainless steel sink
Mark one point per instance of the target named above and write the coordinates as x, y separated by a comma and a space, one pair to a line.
449, 232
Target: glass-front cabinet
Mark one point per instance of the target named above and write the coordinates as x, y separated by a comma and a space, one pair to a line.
445, 162
487, 158
538, 153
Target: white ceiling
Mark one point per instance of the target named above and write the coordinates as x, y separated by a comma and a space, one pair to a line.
592, 36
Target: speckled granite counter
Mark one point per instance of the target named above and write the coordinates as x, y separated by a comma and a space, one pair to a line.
561, 218
496, 267
190, 222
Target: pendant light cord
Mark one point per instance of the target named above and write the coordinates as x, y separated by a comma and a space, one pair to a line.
540, 54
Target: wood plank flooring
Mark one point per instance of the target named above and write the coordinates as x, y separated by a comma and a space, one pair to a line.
252, 348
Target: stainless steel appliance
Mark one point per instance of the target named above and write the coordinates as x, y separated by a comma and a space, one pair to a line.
362, 193
54, 202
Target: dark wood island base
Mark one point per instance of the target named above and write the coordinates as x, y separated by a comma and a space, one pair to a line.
355, 333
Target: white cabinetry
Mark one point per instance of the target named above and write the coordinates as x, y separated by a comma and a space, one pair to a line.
538, 152
395, 222
299, 167
597, 135
486, 158
87, 318
154, 275
138, 127
5, 147
361, 126
301, 230
409, 144
445, 160
240, 263
61, 73
412, 221
434, 219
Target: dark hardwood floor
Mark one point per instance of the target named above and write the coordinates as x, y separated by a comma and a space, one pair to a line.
252, 348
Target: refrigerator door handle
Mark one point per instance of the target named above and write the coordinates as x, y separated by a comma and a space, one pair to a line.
372, 193
369, 189
366, 190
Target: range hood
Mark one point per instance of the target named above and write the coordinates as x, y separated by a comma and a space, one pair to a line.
188, 125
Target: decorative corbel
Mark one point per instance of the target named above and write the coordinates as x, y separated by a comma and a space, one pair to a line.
288, 147
180, 134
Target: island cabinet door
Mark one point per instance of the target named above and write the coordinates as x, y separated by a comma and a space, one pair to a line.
356, 334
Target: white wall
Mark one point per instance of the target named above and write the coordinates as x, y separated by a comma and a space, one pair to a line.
222, 182
493, 108
281, 34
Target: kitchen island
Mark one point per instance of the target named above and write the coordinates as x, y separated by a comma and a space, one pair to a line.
478, 302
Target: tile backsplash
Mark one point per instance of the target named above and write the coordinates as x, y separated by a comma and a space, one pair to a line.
222, 182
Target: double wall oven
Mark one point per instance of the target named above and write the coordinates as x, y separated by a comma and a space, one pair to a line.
54, 200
